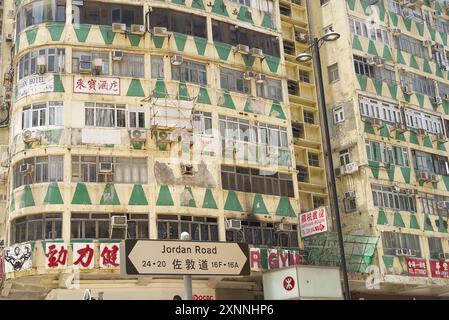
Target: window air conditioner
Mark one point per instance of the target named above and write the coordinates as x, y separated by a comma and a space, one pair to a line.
105, 167
421, 131
437, 100
428, 43
441, 137
248, 75
407, 89
256, 52
41, 64
117, 55
164, 136
9, 37
29, 136
423, 176
26, 168
351, 167
138, 29
176, 60
376, 122
119, 222
85, 65
242, 49
349, 194
118, 228
434, 177
137, 135
233, 224
160, 32
444, 256
284, 227
98, 65
301, 37
119, 27
260, 78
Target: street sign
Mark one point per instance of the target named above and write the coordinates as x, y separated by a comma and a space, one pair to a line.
313, 222
155, 257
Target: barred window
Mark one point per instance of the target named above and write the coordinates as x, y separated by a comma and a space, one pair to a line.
386, 197
105, 114
85, 59
54, 61
233, 81
392, 241
191, 72
43, 114
199, 228
270, 89
40, 11
40, 170
36, 227
131, 65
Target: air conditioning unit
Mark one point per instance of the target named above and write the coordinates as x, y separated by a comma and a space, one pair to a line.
407, 89
261, 78
137, 135
9, 37
176, 60
119, 222
138, 29
41, 64
351, 167
441, 137
376, 122
248, 75
164, 136
421, 131
233, 224
434, 177
256, 52
187, 169
405, 252
105, 167
395, 31
26, 168
423, 176
428, 43
437, 100
301, 37
85, 65
438, 47
242, 49
280, 227
30, 136
160, 32
117, 55
98, 65
376, 61
2, 243
407, 13
119, 27
349, 194
339, 171
400, 127
444, 256
443, 204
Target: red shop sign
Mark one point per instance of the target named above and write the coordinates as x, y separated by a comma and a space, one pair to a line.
439, 269
416, 267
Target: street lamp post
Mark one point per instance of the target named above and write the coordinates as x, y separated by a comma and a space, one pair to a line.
315, 55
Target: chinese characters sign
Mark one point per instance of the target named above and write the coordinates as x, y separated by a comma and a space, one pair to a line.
416, 267
56, 255
148, 257
313, 222
35, 84
18, 257
96, 85
439, 269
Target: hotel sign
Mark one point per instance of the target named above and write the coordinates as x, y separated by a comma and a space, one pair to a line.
35, 84
96, 85
313, 222
152, 257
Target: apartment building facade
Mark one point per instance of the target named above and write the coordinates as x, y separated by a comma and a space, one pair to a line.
386, 83
143, 119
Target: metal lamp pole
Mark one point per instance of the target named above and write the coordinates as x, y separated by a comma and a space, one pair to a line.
315, 55
185, 236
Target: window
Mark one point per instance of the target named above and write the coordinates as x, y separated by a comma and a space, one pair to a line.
421, 120
36, 227
100, 13
199, 228
105, 115
419, 84
304, 76
362, 67
293, 87
43, 114
436, 248
303, 174
386, 197
318, 202
191, 72
377, 109
270, 89
387, 154
285, 9
332, 73
256, 181
85, 59
368, 30
131, 65
123, 170
339, 115
177, 21
313, 160
323, 2
228, 33
429, 204
392, 241
309, 117
350, 204
157, 67
54, 61
39, 12
243, 2
263, 233
97, 225
233, 81
298, 130
44, 169
136, 118
202, 123
344, 157
289, 47
408, 13
430, 162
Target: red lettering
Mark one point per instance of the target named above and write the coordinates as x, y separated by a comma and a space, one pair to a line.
284, 258
254, 258
273, 260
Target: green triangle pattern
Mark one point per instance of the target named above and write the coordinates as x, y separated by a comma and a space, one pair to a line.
158, 41
414, 222
81, 195
200, 44
413, 63
183, 93
203, 96
407, 23
372, 48
58, 85
285, 208
27, 199
134, 39
55, 30
351, 4
384, 131
414, 138
398, 222
12, 205
393, 90
426, 142
232, 202
356, 45
400, 58
245, 15
228, 103
191, 203
209, 201
53, 195
363, 80
382, 218
441, 146
369, 128
420, 27
378, 85
135, 89
220, 8
180, 40
107, 34
394, 18
81, 32
160, 90
277, 112
391, 171
198, 4
420, 98
110, 196
400, 136
406, 172
374, 165
388, 261
267, 21
31, 35
426, 67
138, 197
164, 198
387, 53
427, 223
272, 63
259, 205
223, 50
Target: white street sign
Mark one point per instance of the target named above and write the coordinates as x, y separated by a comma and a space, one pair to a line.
152, 257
